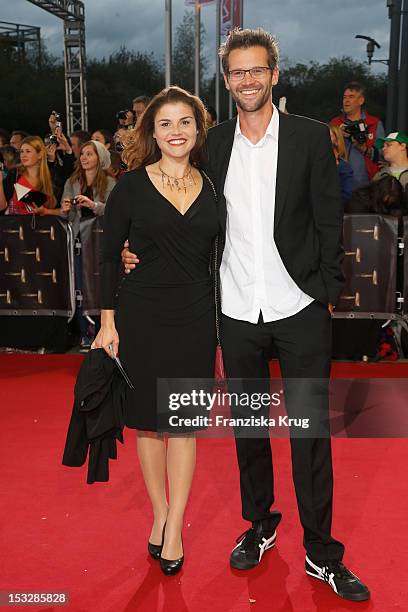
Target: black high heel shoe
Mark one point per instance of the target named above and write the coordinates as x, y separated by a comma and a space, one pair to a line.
155, 549
172, 566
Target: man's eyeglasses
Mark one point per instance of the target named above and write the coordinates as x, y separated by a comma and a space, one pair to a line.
256, 73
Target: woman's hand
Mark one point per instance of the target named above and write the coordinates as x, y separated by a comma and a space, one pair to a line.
39, 210
107, 339
86, 202
66, 205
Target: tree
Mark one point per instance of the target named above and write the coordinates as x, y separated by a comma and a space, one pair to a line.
316, 90
113, 84
183, 54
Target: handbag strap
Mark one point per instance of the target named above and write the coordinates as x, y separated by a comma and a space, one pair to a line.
217, 296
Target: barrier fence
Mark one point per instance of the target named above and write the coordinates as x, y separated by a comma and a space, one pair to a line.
37, 267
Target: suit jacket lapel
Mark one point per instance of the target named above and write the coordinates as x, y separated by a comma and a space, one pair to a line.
226, 153
286, 153
223, 159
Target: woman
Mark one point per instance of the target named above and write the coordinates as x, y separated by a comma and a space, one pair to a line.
105, 137
345, 170
163, 322
85, 195
34, 192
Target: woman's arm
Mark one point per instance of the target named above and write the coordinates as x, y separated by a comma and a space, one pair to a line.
117, 220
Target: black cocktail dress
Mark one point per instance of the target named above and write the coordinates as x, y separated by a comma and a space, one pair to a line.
164, 309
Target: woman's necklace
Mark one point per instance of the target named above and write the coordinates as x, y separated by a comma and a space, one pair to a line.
184, 182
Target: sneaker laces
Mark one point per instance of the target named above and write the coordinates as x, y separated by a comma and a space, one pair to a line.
251, 538
339, 570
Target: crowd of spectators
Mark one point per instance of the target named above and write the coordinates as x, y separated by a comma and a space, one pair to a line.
72, 176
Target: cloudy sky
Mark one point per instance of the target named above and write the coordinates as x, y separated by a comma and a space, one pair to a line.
307, 29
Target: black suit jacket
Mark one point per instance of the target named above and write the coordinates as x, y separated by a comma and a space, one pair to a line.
308, 219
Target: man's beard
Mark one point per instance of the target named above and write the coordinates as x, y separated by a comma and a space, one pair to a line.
260, 104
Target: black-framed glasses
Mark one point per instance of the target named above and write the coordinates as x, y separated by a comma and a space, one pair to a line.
256, 73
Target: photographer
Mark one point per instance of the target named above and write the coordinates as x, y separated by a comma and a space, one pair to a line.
139, 105
60, 155
85, 195
125, 118
360, 131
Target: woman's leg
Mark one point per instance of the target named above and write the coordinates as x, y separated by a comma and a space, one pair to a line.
151, 449
181, 458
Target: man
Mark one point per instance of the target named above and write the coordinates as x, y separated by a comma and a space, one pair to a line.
17, 138
139, 105
395, 152
361, 152
281, 218
78, 138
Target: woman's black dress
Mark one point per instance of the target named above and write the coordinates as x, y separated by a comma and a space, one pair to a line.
165, 313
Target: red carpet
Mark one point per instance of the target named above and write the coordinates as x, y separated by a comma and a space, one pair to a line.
59, 534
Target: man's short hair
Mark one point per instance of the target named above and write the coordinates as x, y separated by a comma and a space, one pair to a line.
82, 135
143, 99
20, 133
356, 86
245, 39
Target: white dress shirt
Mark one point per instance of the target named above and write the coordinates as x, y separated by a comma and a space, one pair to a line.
253, 277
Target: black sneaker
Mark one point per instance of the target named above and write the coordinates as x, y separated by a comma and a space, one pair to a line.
343, 582
251, 546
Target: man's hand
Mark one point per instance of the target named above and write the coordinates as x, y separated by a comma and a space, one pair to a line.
63, 144
343, 130
129, 259
363, 148
330, 308
51, 150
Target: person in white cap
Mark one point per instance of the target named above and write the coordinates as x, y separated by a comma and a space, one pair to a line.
395, 152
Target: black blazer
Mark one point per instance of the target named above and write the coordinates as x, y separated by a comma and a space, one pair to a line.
97, 418
308, 208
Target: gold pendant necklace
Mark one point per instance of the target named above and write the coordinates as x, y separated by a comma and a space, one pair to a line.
187, 180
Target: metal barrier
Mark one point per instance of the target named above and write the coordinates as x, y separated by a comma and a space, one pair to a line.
37, 271
36, 266
370, 267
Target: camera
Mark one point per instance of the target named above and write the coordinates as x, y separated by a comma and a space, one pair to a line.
74, 202
53, 140
121, 114
58, 119
357, 130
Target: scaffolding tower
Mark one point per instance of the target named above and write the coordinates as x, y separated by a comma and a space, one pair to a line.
18, 36
72, 12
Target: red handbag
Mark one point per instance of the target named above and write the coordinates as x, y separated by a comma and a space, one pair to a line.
220, 377
219, 370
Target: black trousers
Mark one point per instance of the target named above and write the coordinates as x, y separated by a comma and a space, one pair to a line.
303, 342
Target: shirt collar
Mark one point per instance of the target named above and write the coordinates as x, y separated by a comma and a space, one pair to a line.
272, 130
